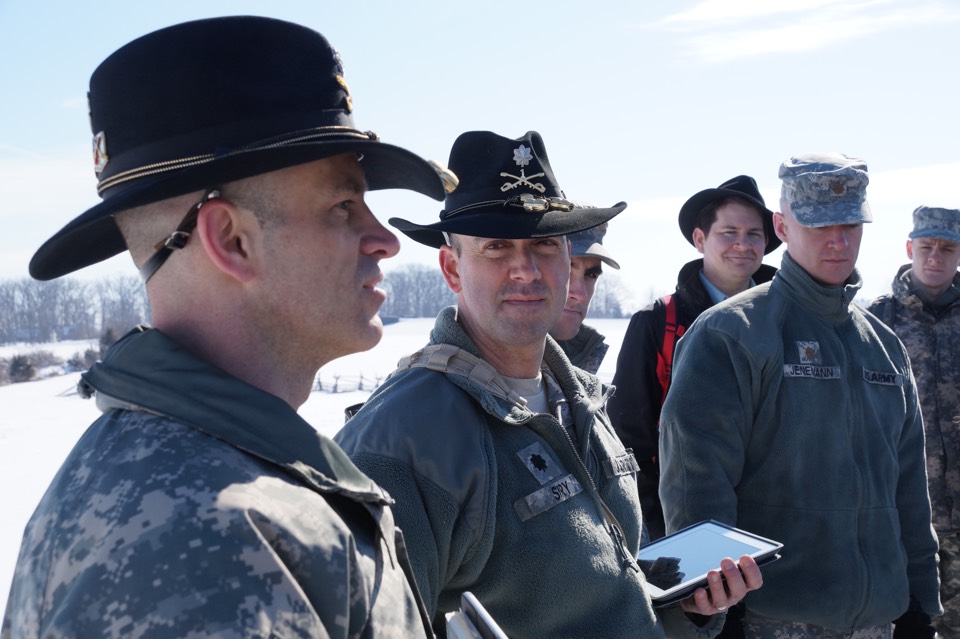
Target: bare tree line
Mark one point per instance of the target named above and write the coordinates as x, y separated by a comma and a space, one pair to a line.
417, 290
73, 309
69, 309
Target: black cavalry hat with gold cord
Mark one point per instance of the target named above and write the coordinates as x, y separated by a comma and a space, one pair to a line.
507, 190
198, 104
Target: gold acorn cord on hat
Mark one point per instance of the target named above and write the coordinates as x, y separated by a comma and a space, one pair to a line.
288, 139
529, 203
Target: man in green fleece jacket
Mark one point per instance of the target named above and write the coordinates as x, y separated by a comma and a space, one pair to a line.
508, 477
794, 414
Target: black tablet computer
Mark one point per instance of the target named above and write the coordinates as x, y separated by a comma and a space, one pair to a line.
678, 564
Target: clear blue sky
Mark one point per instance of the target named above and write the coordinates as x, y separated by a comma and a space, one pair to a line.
638, 101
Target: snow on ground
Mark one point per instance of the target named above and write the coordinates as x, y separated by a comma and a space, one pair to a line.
41, 420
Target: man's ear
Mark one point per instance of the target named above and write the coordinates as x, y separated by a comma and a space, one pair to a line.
227, 236
779, 226
450, 267
910, 249
698, 238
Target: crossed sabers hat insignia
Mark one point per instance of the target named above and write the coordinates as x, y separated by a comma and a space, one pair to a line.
522, 156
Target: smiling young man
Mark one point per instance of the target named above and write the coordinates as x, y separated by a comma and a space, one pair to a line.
200, 503
733, 229
793, 414
583, 345
924, 312
509, 479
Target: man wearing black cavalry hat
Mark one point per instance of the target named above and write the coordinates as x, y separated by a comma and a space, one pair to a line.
733, 229
509, 479
200, 503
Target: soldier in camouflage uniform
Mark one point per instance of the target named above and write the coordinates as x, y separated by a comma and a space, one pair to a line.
924, 311
581, 343
200, 503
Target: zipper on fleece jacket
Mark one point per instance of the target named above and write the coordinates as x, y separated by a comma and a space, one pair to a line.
452, 360
613, 526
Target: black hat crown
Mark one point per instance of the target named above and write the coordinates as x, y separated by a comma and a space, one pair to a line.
201, 103
507, 189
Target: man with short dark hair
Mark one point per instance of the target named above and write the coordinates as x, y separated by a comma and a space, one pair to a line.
924, 311
582, 344
733, 229
509, 479
200, 503
793, 414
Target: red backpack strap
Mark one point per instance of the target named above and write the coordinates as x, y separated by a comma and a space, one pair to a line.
672, 332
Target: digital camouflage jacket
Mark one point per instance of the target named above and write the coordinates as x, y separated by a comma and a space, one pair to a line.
198, 505
586, 349
931, 333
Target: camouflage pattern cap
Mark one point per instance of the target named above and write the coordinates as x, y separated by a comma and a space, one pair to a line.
589, 243
929, 221
824, 189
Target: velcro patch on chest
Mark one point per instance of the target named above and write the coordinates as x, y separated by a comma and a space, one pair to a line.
625, 464
547, 497
885, 379
811, 371
540, 463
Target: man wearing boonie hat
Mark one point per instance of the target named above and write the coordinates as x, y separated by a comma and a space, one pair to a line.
200, 503
924, 312
732, 228
793, 414
509, 479
583, 345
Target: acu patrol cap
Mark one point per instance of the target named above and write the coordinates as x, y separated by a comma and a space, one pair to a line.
935, 222
825, 189
589, 243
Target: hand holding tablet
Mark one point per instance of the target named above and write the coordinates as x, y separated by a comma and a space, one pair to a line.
682, 564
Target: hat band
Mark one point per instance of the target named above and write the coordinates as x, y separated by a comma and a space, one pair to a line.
297, 137
529, 203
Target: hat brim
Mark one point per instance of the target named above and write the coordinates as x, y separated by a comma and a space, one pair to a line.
936, 234
507, 224
600, 252
692, 207
93, 236
838, 213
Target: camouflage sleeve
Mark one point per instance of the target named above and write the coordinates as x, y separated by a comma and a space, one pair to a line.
919, 538
173, 535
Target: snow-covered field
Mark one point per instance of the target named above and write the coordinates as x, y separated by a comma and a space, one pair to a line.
41, 420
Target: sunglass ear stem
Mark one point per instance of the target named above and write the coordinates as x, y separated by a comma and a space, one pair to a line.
176, 240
